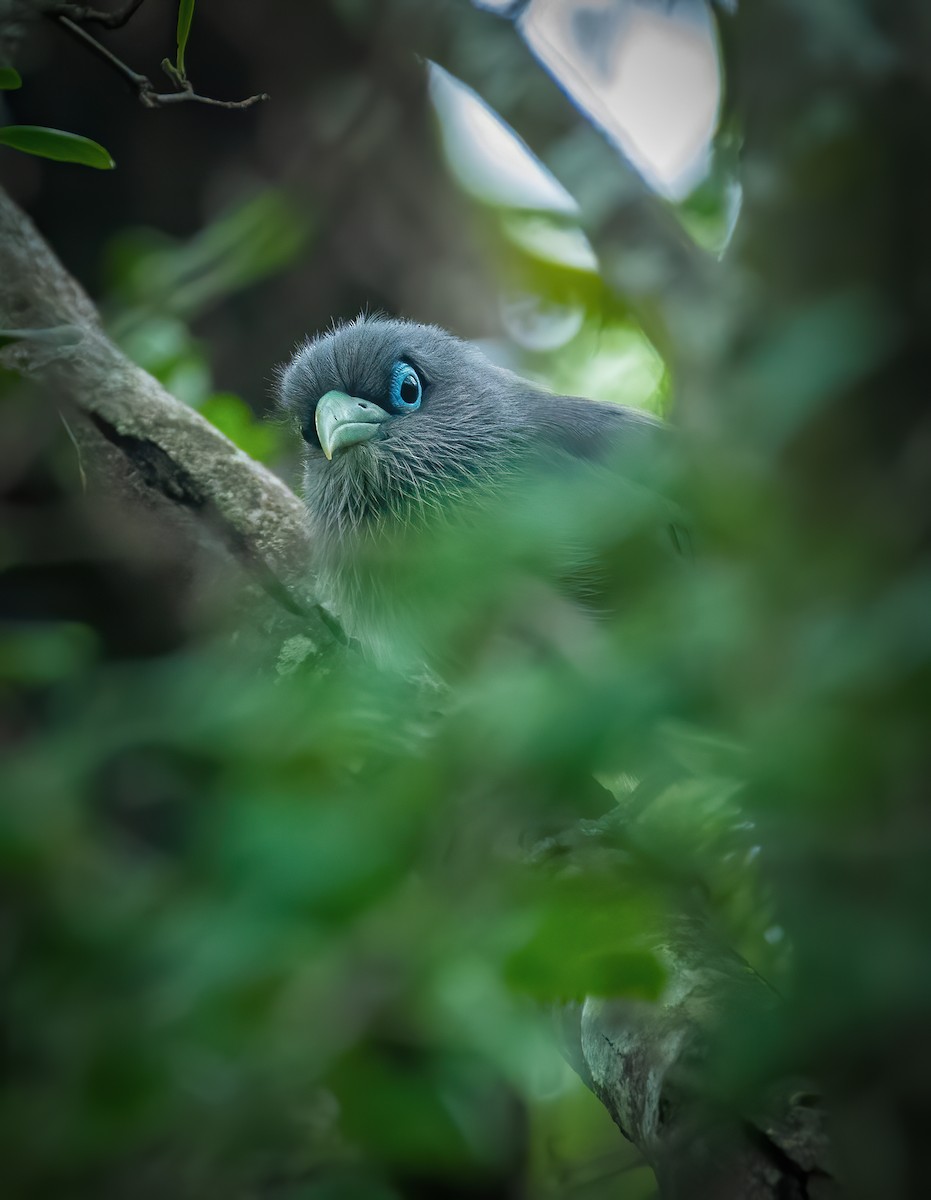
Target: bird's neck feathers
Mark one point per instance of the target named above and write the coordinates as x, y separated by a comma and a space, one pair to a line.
365, 503
382, 490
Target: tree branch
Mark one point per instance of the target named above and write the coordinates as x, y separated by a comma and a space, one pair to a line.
673, 1072
661, 1071
172, 461
144, 87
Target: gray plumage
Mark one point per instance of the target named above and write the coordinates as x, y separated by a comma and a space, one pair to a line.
477, 427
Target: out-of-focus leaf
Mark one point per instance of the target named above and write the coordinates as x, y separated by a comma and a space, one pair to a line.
823, 348
422, 1109
185, 16
56, 144
36, 655
538, 324
570, 975
232, 416
587, 941
485, 154
711, 210
150, 272
9, 79
165, 347
551, 239
616, 363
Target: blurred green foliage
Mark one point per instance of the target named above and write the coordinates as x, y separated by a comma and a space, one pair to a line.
283, 927
235, 418
149, 272
219, 908
300, 933
157, 286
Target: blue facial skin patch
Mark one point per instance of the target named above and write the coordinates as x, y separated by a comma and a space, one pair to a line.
406, 390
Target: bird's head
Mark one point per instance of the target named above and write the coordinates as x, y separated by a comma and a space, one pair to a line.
406, 427
398, 419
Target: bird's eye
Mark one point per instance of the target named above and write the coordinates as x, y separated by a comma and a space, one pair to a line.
406, 390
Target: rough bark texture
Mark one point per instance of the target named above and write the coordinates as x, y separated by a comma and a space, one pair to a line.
151, 449
654, 1067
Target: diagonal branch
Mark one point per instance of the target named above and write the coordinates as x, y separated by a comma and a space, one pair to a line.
659, 1070
174, 462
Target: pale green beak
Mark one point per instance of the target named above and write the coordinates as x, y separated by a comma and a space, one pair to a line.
343, 421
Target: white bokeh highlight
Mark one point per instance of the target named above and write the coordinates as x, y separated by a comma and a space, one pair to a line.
647, 73
487, 157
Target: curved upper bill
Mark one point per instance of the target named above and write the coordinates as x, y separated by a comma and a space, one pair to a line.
343, 421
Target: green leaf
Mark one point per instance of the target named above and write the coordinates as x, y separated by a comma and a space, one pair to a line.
232, 416
185, 16
589, 940
551, 238
56, 144
248, 242
635, 974
9, 79
40, 654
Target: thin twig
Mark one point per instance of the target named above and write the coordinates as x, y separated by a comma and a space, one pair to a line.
109, 20
77, 450
153, 99
139, 82
144, 87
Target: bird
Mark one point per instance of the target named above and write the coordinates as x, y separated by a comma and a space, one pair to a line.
407, 427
